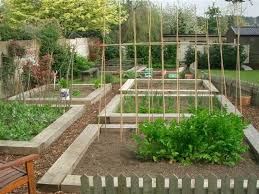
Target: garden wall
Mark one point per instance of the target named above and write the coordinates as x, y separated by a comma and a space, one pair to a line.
32, 51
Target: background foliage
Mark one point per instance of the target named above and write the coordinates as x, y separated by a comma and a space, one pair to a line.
229, 57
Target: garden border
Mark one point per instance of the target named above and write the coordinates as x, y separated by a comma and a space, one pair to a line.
90, 99
46, 137
128, 86
52, 179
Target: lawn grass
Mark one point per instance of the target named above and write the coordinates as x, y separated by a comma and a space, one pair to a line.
22, 122
249, 76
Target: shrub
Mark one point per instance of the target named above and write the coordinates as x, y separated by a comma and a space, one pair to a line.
39, 74
143, 54
19, 33
111, 52
48, 37
81, 64
63, 83
229, 57
215, 137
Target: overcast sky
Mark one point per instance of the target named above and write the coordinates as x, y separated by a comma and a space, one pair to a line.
202, 5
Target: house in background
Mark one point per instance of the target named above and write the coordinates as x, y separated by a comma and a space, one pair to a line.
248, 36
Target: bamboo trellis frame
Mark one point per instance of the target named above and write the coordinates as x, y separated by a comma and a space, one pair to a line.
162, 44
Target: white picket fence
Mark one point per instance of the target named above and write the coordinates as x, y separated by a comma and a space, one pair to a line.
171, 185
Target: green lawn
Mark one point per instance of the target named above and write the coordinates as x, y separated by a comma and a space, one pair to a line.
249, 76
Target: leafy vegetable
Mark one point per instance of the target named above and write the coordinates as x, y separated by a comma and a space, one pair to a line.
19, 121
215, 137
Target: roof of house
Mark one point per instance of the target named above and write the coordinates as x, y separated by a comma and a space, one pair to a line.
189, 35
247, 31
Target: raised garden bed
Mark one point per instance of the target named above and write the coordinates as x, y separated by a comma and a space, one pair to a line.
89, 156
187, 103
111, 113
80, 94
40, 134
170, 86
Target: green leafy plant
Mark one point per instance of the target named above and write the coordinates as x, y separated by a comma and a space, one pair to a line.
129, 75
97, 83
76, 93
63, 83
81, 64
207, 137
109, 78
20, 121
229, 57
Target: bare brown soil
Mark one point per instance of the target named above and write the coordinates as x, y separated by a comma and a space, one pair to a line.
251, 113
120, 158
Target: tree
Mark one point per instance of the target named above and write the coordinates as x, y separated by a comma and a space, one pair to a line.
73, 15
142, 10
187, 22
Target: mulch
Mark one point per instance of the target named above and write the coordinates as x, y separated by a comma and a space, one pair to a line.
50, 155
251, 113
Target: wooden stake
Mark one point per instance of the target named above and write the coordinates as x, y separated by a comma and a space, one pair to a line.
103, 71
177, 67
121, 72
135, 65
162, 59
209, 69
223, 79
196, 65
149, 62
238, 82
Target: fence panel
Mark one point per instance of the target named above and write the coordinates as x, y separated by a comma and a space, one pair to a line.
171, 185
199, 185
